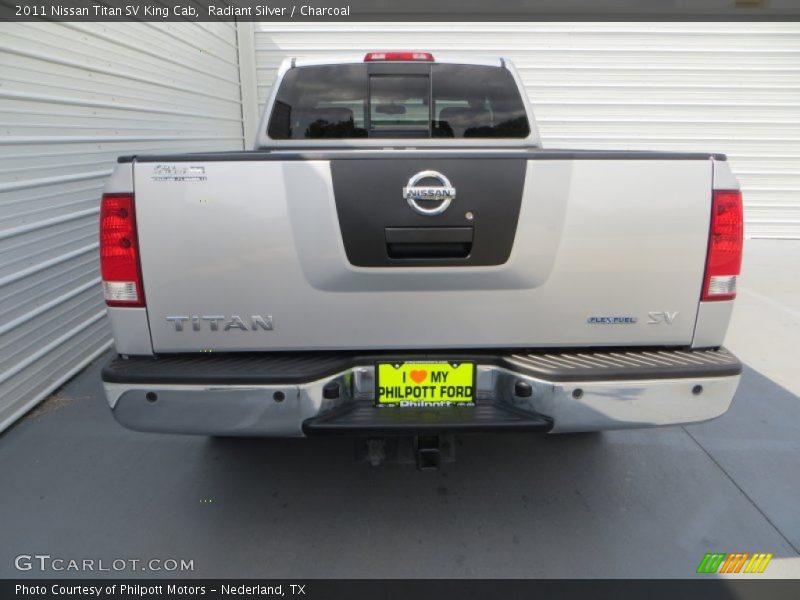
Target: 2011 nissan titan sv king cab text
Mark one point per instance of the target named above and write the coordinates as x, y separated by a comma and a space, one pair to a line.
399, 256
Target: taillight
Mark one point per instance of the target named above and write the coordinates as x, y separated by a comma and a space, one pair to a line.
724, 260
119, 252
399, 56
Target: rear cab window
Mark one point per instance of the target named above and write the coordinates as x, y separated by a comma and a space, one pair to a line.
402, 100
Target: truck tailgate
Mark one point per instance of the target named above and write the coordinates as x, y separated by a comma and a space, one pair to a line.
290, 252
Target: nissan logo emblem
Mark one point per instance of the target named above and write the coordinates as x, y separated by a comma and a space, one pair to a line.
444, 193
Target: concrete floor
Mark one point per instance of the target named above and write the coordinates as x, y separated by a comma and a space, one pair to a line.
644, 503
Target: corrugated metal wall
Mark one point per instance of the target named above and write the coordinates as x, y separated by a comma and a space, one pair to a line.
722, 87
72, 98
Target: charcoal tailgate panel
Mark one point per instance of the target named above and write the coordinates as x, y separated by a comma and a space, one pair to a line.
369, 199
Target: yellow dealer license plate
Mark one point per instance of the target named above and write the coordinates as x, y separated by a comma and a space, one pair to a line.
426, 383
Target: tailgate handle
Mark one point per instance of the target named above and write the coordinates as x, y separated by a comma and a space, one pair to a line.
429, 242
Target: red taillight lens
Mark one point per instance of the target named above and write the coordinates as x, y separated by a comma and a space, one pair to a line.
724, 260
399, 56
119, 252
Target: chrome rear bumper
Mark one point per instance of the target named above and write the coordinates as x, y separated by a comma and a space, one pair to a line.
580, 391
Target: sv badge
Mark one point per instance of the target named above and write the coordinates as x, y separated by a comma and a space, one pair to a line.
662, 317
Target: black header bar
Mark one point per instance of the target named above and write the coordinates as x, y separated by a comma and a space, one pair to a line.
397, 10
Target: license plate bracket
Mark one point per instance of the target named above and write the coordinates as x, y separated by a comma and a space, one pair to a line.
425, 383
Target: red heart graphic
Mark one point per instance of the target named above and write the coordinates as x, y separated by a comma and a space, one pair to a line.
418, 376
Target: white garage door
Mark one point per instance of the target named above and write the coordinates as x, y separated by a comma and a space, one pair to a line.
72, 98
718, 87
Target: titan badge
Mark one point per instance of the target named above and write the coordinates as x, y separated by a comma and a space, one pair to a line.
222, 323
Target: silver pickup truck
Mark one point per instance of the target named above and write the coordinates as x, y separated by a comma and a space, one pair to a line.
400, 256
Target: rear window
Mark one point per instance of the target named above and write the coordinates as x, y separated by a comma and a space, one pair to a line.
440, 101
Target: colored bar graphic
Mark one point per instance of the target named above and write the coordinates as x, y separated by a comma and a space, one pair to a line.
721, 562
